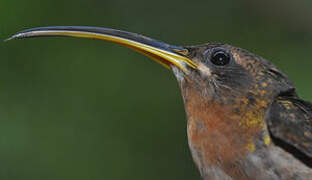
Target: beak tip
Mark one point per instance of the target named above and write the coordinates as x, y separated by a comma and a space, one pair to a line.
15, 36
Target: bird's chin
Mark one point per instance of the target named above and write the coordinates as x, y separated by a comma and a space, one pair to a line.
178, 73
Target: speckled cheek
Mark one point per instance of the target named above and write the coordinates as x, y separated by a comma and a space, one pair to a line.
204, 70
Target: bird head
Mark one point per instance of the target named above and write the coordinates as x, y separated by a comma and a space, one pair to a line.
224, 72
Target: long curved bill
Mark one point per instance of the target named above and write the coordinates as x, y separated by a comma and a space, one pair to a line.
163, 53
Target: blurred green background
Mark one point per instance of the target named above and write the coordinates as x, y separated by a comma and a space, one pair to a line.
81, 109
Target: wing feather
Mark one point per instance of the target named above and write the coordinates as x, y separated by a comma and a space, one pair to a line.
290, 120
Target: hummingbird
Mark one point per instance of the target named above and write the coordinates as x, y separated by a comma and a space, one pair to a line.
245, 120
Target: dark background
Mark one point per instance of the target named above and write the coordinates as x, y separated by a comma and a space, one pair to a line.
81, 109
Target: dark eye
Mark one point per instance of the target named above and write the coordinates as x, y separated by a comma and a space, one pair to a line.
220, 58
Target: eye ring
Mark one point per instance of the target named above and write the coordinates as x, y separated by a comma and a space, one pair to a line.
220, 58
